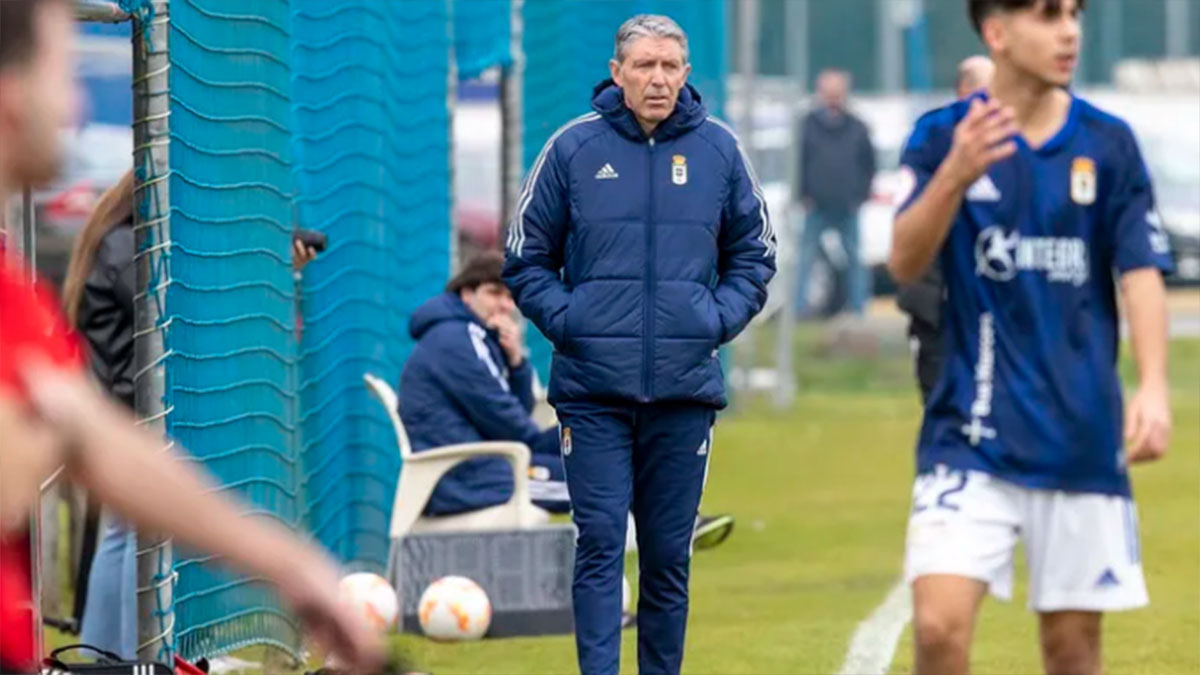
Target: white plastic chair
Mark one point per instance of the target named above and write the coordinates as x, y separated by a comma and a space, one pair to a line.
421, 471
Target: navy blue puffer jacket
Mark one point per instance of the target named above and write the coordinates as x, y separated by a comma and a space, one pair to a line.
456, 387
636, 256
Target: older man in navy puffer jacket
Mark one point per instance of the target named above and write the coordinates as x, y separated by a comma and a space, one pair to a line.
640, 245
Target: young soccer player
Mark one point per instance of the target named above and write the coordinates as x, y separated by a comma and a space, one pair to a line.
1036, 202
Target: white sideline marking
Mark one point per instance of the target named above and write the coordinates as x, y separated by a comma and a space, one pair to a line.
874, 642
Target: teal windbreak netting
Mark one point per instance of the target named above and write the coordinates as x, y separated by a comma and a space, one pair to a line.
482, 36
371, 85
232, 356
330, 115
567, 46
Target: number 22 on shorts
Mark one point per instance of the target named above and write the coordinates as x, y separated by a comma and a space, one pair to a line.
938, 490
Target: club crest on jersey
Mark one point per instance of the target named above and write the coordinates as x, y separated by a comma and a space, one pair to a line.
1000, 255
565, 441
679, 170
1083, 181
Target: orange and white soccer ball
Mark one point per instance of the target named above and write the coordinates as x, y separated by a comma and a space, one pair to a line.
454, 608
373, 598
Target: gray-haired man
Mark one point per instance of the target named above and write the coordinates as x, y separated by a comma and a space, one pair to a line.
640, 245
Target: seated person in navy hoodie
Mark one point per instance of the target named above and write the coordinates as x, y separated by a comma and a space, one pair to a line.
468, 380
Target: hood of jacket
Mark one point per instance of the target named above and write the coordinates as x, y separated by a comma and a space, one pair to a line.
444, 307
609, 100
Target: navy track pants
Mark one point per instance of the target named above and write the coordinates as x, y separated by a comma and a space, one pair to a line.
650, 459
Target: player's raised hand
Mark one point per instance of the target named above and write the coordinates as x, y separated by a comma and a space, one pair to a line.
310, 588
1147, 425
511, 340
302, 254
982, 138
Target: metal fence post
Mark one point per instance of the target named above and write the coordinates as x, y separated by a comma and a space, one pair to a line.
1178, 22
796, 22
745, 348
512, 82
151, 137
101, 11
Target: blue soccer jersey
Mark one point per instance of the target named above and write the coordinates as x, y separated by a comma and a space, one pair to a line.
1029, 392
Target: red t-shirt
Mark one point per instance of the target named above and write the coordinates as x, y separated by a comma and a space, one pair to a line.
30, 323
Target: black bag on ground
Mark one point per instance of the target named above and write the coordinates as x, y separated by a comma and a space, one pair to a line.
107, 664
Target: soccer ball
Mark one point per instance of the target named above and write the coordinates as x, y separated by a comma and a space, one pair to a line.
373, 598
454, 608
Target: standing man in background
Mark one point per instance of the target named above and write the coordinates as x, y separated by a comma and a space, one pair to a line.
922, 300
640, 245
837, 164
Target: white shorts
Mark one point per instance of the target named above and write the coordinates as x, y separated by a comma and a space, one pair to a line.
1082, 549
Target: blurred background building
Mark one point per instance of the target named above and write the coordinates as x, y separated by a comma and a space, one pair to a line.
914, 45
901, 55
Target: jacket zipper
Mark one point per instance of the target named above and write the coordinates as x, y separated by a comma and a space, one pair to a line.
648, 316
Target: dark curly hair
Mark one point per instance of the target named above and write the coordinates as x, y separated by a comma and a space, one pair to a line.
484, 268
979, 10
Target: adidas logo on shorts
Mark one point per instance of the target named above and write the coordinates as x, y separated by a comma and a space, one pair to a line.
1108, 579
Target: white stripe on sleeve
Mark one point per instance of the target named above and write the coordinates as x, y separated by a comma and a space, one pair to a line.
767, 236
516, 230
485, 354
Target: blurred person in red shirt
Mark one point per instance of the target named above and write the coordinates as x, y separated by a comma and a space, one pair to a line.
51, 416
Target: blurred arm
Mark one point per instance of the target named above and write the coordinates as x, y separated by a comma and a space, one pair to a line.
747, 252
520, 380
1146, 307
803, 160
475, 383
127, 469
30, 453
920, 229
534, 257
867, 159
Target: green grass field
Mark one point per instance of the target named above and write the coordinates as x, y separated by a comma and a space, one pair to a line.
821, 494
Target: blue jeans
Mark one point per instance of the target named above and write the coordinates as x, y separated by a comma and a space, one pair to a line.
856, 280
110, 616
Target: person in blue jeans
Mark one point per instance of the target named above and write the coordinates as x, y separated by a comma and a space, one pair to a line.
98, 296
640, 244
837, 165
98, 293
